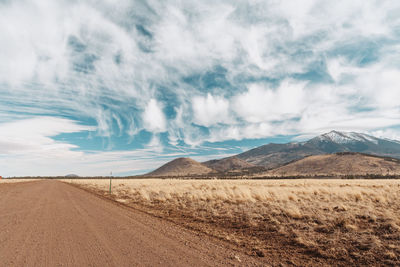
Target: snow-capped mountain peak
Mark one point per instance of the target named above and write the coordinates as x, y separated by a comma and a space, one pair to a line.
347, 137
273, 155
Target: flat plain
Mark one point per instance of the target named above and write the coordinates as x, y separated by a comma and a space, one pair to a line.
291, 222
11, 181
49, 223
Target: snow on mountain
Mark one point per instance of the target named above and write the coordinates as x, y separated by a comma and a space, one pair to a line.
273, 155
347, 137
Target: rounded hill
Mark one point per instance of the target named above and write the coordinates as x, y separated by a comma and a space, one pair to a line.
181, 167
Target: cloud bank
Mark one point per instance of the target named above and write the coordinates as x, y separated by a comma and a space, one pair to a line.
188, 73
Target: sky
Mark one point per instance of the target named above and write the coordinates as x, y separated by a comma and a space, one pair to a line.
93, 87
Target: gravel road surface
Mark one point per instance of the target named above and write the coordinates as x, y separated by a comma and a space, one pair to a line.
50, 223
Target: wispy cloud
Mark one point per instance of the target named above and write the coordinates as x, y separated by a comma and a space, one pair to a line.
194, 72
34, 135
27, 148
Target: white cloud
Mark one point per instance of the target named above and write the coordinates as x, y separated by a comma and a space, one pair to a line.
380, 86
155, 144
84, 164
33, 136
263, 104
27, 147
375, 85
154, 118
210, 110
392, 134
237, 132
137, 58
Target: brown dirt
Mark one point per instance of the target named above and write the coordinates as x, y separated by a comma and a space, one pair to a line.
49, 223
289, 222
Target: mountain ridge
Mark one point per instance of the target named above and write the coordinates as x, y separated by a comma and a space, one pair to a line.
339, 164
273, 156
228, 164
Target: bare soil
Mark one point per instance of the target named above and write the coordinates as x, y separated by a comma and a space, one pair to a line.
284, 222
50, 223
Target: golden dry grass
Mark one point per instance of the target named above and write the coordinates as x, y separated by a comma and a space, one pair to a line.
9, 180
317, 221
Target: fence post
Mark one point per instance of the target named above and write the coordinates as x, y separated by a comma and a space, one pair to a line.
110, 181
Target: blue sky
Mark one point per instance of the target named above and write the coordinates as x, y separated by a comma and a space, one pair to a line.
91, 87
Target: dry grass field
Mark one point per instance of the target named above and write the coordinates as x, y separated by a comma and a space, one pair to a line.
9, 180
315, 222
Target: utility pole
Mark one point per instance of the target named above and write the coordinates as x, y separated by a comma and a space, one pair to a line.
110, 181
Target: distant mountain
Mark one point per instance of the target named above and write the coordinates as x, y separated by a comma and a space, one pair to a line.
339, 164
228, 164
181, 167
275, 155
72, 175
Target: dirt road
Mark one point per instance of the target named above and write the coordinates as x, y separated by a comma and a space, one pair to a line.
49, 223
